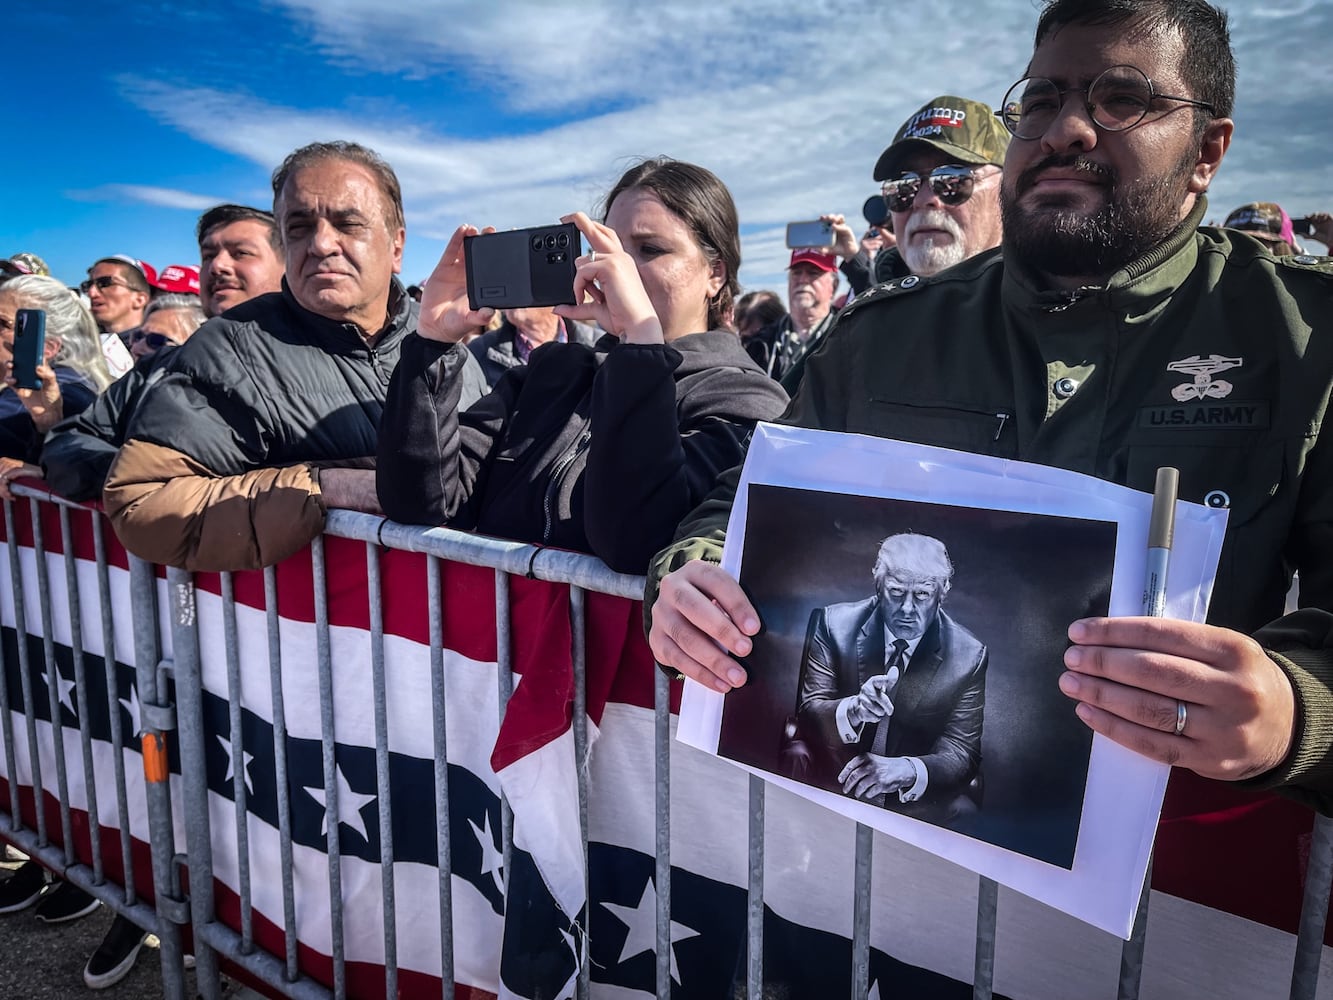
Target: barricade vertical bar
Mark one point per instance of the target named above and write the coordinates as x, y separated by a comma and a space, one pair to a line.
754, 966
280, 769
1314, 911
6, 720
25, 673
53, 680
578, 620
188, 674
505, 679
1131, 952
662, 825
988, 901
232, 646
328, 748
861, 894
81, 693
435, 609
149, 620
382, 770
161, 834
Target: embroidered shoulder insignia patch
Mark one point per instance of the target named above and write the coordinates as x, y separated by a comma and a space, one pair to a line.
1202, 369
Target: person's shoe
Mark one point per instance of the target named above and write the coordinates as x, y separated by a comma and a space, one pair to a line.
23, 888
64, 902
116, 955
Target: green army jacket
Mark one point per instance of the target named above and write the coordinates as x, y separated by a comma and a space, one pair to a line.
1208, 354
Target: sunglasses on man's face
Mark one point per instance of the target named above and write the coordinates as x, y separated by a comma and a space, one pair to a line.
952, 183
155, 341
101, 283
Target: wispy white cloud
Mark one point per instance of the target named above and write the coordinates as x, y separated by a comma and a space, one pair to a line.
149, 195
790, 106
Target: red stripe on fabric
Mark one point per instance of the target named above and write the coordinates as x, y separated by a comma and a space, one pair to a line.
467, 592
364, 979
1233, 850
81, 532
113, 866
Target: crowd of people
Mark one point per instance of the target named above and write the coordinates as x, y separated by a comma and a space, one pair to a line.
1038, 266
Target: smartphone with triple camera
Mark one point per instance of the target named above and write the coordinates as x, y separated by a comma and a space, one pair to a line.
522, 267
1303, 227
29, 346
817, 235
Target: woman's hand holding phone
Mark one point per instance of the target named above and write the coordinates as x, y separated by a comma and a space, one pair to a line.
445, 314
44, 405
608, 287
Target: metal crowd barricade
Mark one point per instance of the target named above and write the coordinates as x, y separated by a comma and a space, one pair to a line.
163, 919
214, 940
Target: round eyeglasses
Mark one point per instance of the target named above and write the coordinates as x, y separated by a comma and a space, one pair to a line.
952, 183
1118, 99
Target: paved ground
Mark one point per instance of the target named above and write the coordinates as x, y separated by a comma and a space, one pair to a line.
38, 962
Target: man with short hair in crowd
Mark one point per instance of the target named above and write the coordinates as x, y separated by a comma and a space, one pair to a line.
1070, 350
521, 332
119, 288
941, 181
812, 280
269, 417
240, 256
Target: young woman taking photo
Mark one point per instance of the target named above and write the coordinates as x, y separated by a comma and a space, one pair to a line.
600, 449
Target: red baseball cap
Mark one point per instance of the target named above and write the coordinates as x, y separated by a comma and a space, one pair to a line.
181, 279
823, 261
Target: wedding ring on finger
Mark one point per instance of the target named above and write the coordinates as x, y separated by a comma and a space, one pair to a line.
592, 256
1182, 716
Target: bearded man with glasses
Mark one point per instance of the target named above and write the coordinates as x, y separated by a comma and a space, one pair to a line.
1089, 342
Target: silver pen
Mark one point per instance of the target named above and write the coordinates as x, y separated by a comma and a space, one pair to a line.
1161, 529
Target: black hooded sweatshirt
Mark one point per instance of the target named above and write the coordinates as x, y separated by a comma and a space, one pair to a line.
598, 449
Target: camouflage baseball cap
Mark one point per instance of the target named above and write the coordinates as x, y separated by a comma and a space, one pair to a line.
24, 263
965, 130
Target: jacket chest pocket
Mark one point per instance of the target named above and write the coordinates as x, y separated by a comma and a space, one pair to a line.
973, 428
1244, 477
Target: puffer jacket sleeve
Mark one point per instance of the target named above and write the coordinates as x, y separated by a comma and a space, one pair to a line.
186, 489
79, 450
653, 458
431, 466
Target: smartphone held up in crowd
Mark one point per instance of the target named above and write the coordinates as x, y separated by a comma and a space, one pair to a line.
817, 235
29, 346
522, 267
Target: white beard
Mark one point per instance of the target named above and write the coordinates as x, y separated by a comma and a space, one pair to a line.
937, 253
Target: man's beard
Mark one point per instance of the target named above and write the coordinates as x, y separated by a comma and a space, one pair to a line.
934, 255
1133, 219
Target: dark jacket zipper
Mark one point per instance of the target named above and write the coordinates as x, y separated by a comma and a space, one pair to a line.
558, 473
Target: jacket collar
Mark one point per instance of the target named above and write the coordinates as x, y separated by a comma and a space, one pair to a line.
334, 334
1134, 289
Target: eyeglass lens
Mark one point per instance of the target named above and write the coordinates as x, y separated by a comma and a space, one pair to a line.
103, 282
952, 184
1118, 99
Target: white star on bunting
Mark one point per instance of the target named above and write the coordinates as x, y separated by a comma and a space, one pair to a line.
492, 858
245, 765
350, 804
642, 923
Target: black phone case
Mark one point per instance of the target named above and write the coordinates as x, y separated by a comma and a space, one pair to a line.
522, 267
29, 346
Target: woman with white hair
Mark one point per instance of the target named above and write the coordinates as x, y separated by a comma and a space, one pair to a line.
72, 374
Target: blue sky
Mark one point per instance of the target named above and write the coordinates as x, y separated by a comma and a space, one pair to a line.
126, 120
